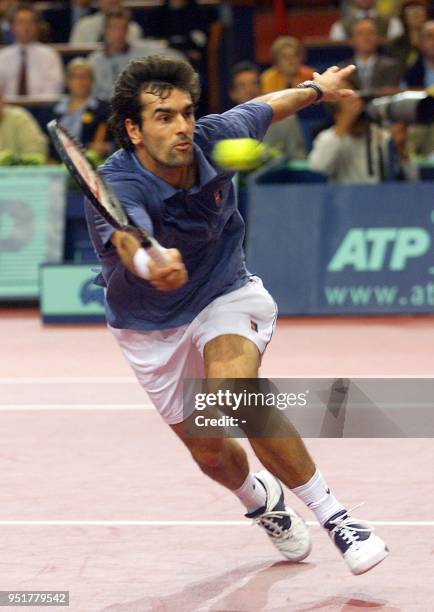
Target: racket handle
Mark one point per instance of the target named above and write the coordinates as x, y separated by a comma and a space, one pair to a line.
158, 253
142, 257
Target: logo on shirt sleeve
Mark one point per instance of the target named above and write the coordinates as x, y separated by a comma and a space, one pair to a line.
253, 326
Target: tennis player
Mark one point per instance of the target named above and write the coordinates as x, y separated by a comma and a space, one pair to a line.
203, 314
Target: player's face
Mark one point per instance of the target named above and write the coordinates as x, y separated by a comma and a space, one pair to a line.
166, 134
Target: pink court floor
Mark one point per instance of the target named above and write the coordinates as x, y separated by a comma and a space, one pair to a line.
99, 498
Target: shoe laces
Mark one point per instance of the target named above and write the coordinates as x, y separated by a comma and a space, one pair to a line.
347, 527
270, 521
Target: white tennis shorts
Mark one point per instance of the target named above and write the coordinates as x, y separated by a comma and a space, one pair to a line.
162, 359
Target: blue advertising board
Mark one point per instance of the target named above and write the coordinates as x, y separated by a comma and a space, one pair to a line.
328, 249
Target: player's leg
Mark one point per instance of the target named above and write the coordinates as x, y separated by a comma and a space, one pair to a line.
237, 354
222, 459
233, 356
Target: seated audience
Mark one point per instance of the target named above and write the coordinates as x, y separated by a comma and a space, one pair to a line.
405, 48
346, 155
108, 64
184, 25
387, 27
27, 67
90, 29
20, 135
421, 74
6, 10
84, 116
421, 141
62, 18
375, 73
285, 135
287, 69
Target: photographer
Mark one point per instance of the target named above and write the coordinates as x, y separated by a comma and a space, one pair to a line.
356, 151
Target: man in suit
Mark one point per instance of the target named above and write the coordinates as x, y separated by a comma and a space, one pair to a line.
421, 74
388, 27
285, 135
28, 67
375, 73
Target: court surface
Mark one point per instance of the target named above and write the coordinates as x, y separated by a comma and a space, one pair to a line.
98, 497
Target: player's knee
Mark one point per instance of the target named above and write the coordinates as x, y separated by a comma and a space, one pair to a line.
209, 457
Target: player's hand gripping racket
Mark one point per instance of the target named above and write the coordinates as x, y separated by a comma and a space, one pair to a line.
98, 193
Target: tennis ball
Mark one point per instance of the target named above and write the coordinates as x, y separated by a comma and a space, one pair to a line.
239, 154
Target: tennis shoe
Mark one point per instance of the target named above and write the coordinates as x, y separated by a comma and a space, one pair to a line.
285, 528
360, 547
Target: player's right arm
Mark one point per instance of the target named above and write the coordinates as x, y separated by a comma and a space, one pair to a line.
167, 278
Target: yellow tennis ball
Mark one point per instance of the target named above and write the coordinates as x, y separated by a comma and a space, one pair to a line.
239, 153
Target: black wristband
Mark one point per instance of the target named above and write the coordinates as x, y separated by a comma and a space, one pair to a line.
317, 89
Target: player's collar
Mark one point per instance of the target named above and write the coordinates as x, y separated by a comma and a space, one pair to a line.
205, 174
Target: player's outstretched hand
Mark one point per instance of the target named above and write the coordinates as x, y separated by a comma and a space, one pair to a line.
169, 277
333, 82
166, 278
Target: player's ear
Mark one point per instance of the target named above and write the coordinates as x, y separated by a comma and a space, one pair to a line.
133, 131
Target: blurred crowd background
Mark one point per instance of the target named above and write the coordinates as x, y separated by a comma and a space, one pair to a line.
61, 59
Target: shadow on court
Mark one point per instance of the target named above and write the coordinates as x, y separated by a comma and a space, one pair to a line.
247, 590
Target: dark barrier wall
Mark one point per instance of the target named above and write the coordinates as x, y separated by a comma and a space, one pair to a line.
325, 249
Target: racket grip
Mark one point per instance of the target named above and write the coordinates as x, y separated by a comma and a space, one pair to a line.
158, 253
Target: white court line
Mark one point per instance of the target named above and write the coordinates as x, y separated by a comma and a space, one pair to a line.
130, 379
192, 523
36, 407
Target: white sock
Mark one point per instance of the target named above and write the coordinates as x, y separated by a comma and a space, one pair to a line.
316, 495
252, 493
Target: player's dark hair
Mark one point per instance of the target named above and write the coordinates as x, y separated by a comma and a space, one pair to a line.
156, 74
242, 67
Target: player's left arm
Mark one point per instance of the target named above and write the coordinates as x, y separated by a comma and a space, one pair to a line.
330, 83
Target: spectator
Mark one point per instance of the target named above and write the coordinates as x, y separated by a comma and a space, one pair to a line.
285, 135
28, 67
84, 116
421, 141
184, 24
405, 48
91, 29
421, 74
343, 151
287, 70
61, 19
110, 62
375, 73
20, 135
6, 9
387, 27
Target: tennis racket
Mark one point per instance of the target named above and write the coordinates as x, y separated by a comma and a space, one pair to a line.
97, 191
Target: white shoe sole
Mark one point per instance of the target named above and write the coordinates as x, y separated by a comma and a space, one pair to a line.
364, 565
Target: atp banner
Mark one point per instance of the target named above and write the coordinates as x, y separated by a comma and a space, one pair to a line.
32, 227
69, 295
328, 249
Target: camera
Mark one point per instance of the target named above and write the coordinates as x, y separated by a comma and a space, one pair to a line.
407, 106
